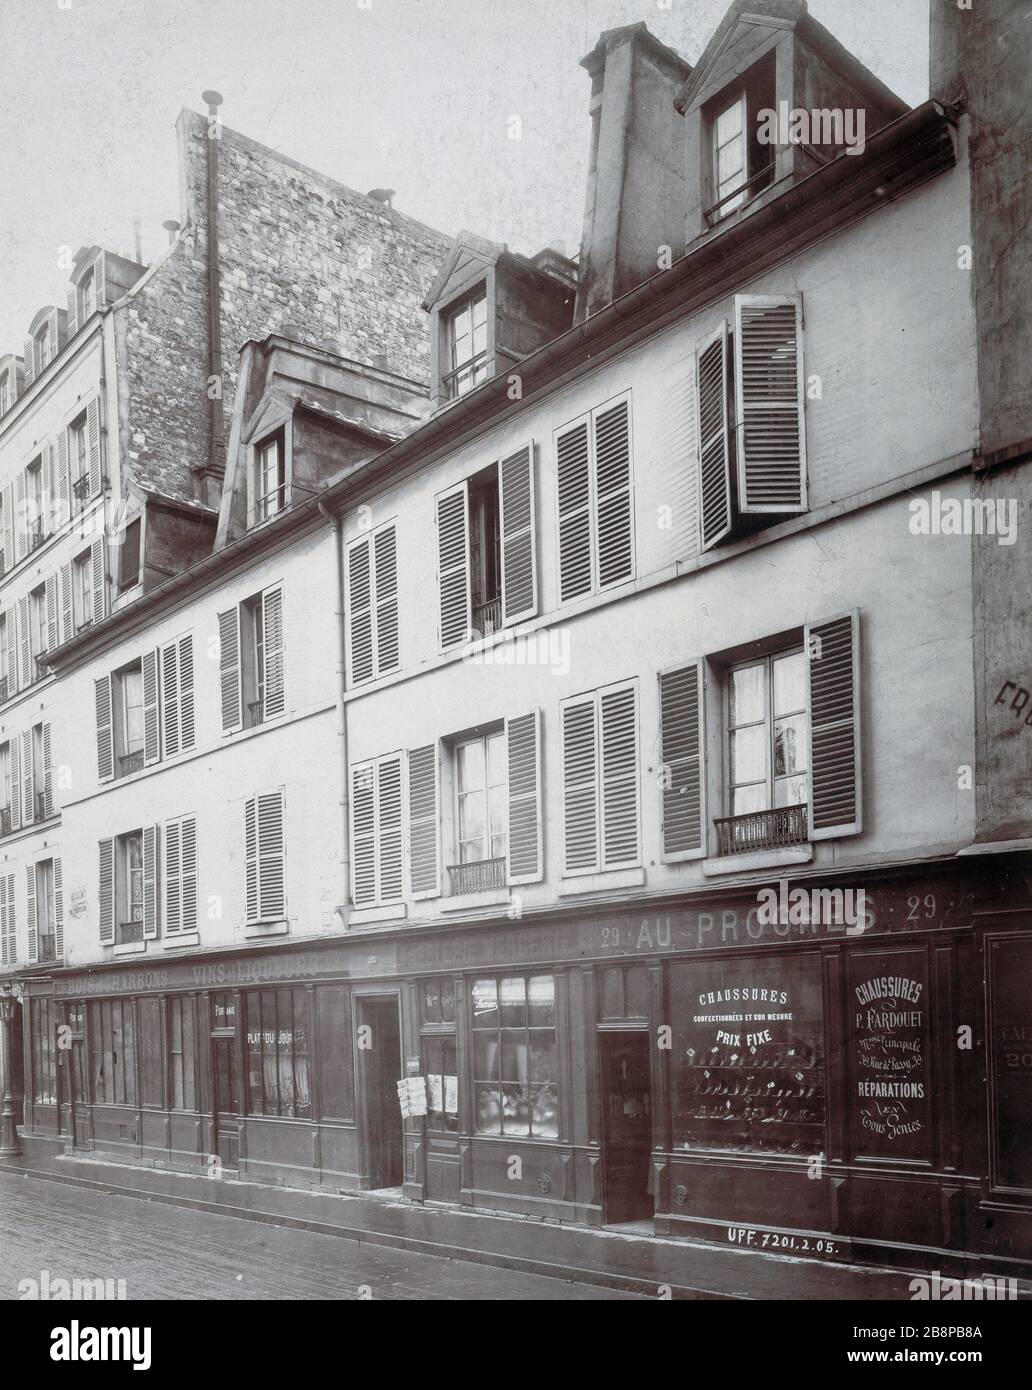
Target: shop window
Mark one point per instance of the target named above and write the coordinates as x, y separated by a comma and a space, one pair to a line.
514, 1056
151, 1089
442, 1084
277, 1053
625, 992
336, 1060
113, 1051
181, 1053
225, 1040
44, 1053
889, 1054
439, 1001
1011, 1053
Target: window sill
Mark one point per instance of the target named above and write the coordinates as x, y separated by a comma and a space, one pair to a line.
130, 948
172, 943
462, 902
278, 928
601, 883
761, 859
359, 916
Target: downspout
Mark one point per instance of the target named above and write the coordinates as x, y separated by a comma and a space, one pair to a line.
342, 710
210, 488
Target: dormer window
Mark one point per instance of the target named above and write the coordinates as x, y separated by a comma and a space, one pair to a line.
86, 300
42, 349
5, 392
730, 154
741, 166
466, 336
270, 476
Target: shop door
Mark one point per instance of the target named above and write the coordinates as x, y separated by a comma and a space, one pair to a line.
74, 1109
379, 1052
626, 1126
225, 1045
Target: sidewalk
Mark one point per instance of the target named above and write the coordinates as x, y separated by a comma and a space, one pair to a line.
612, 1259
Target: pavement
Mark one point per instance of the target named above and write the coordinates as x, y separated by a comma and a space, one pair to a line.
561, 1261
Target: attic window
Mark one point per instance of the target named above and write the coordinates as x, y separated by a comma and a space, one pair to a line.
5, 392
741, 166
42, 349
270, 476
87, 295
466, 339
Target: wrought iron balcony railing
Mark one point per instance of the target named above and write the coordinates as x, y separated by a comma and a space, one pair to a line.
41, 666
464, 377
41, 806
48, 947
130, 762
4, 691
479, 876
487, 617
6, 823
255, 712
784, 825
37, 536
81, 487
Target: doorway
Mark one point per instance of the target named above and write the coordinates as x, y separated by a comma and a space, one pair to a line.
379, 1053
626, 1111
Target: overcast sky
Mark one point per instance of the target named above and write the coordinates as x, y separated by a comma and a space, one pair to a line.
414, 95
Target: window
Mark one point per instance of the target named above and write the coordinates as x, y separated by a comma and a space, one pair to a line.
129, 556
8, 681
38, 629
514, 1056
127, 883
251, 661
465, 329
277, 1053
600, 780
740, 166
372, 573
767, 734
8, 791
730, 154
6, 396
42, 350
485, 552
35, 502
596, 521
148, 1016
127, 690
224, 1035
130, 701
440, 1066
86, 299
129, 889
270, 476
264, 849
82, 590
44, 905
79, 457
112, 1051
336, 1059
481, 789
42, 772
44, 1051
181, 1052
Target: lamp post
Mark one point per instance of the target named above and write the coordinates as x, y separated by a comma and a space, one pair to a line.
9, 1145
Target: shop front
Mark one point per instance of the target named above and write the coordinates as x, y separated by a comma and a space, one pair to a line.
790, 1077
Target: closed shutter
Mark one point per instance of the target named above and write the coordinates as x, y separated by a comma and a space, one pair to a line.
613, 502
519, 565
170, 700
523, 755
28, 779
174, 879
24, 643
272, 630
22, 523
13, 750
52, 611
93, 445
833, 665
189, 873
363, 835
714, 445
99, 585
229, 670
360, 612
574, 484
186, 693
390, 841
67, 618
769, 403
580, 785
30, 911
8, 931
105, 737
48, 771
151, 846
29, 362
619, 760
58, 911
10, 558
385, 572
424, 822
100, 296
453, 565
106, 885
682, 726
62, 483
264, 855
151, 729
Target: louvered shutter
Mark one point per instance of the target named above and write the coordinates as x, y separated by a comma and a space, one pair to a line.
424, 822
151, 847
10, 558
618, 722
272, 899
170, 700
67, 619
151, 727
453, 565
253, 901
517, 525
21, 525
272, 629
93, 445
771, 431
580, 785
229, 670
48, 771
714, 445
363, 835
360, 611
62, 484
28, 780
99, 585
25, 643
186, 693
574, 485
8, 936
389, 840
385, 567
613, 502
13, 749
833, 665
58, 910
173, 879
29, 351
523, 756
30, 911
188, 843
100, 295
73, 312
105, 737
682, 726
106, 886
52, 611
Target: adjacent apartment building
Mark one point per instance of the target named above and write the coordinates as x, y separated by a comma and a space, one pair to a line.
627, 745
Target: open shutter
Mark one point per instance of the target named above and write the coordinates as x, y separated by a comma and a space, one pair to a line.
423, 822
62, 482
574, 485
67, 620
618, 723
769, 403
186, 693
519, 566
173, 847
28, 780
150, 881
613, 502
523, 753
682, 726
93, 445
272, 899
48, 772
453, 565
229, 670
385, 565
272, 629
251, 857
13, 752
58, 910
390, 834
52, 612
714, 448
24, 643
72, 325
21, 521
106, 883
580, 785
833, 666
8, 937
360, 611
170, 700
105, 734
151, 729
188, 894
10, 558
30, 892
99, 587
363, 835
29, 362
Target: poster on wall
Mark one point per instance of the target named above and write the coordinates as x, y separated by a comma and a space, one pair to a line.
888, 1001
1011, 1035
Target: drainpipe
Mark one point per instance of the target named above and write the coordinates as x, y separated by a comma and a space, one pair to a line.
210, 482
342, 711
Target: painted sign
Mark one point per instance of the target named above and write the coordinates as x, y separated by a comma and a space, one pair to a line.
1011, 1033
889, 1005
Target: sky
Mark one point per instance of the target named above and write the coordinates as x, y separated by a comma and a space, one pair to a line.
414, 95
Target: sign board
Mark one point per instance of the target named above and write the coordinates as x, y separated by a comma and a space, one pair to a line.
412, 1096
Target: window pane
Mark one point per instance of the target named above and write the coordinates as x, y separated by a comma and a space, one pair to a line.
489, 1110
471, 817
514, 1003
747, 695
790, 745
498, 797
545, 1116
542, 1056
729, 123
789, 683
515, 1110
485, 1057
497, 775
431, 1001
749, 755
791, 791
514, 1056
447, 1001
471, 766
485, 1004
542, 1001
747, 799
333, 1020
730, 160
